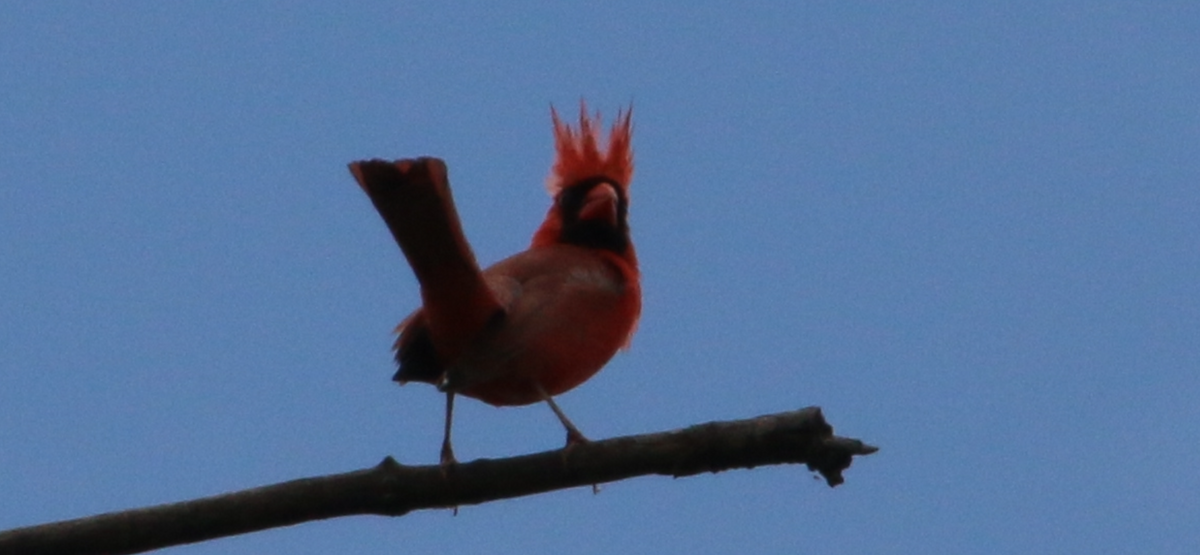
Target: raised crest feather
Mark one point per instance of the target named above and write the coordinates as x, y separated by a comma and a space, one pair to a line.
578, 155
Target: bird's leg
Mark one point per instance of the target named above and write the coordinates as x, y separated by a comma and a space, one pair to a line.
447, 460
574, 436
447, 451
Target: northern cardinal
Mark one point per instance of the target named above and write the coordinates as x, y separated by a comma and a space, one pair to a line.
533, 325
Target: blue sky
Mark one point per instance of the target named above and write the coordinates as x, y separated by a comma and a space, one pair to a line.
971, 233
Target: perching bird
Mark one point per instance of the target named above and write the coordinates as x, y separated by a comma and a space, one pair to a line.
533, 325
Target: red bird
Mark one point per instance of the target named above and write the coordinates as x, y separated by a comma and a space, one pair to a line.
533, 325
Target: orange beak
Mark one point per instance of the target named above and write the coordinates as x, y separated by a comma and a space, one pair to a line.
600, 204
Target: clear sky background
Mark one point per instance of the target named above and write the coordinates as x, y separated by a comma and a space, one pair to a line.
970, 233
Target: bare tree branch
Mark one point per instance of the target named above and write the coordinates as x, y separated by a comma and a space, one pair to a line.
393, 489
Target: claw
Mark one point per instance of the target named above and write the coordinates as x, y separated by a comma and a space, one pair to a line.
447, 458
575, 437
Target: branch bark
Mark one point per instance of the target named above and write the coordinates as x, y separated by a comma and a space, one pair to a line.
393, 489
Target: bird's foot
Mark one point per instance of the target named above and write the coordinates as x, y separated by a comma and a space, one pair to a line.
575, 437
447, 459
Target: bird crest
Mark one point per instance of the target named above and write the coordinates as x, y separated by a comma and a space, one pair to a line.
578, 154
